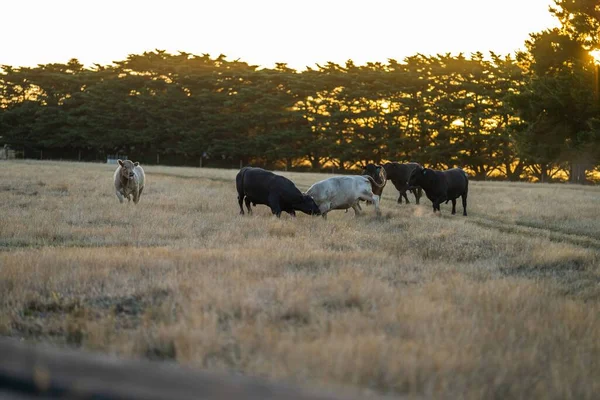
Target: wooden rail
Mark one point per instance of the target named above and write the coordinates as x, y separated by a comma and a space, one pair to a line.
42, 372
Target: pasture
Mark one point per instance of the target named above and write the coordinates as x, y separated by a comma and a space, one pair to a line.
504, 303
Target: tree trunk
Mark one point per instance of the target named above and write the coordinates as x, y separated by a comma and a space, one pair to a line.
577, 173
515, 175
480, 175
314, 163
543, 173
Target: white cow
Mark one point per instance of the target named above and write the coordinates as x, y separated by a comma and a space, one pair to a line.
129, 180
343, 192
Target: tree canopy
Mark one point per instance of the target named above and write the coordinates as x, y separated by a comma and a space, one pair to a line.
530, 116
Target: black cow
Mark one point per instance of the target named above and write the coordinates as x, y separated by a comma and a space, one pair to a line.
399, 175
442, 186
257, 186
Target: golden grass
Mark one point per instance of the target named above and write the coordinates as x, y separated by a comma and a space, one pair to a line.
504, 303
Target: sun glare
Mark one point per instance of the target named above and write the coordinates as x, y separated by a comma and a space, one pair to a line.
596, 55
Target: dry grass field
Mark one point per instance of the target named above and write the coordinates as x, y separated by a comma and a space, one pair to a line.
504, 303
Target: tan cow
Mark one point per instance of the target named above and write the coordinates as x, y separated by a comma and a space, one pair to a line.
129, 180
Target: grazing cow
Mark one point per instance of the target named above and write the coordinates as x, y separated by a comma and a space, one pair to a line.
399, 174
129, 180
442, 186
258, 186
343, 192
378, 174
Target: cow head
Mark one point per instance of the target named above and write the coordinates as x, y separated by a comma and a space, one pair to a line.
423, 177
127, 168
377, 172
308, 206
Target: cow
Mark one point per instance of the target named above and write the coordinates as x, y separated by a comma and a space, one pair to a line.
378, 174
442, 186
258, 186
129, 180
399, 174
343, 192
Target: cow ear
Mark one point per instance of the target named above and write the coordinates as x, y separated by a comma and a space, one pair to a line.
136, 163
120, 162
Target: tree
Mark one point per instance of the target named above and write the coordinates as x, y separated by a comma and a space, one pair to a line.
557, 99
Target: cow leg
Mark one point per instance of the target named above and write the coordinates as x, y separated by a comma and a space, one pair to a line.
247, 201
400, 199
464, 202
373, 198
356, 208
136, 196
453, 206
418, 192
120, 196
240, 202
405, 197
274, 204
292, 213
436, 206
376, 201
276, 210
324, 209
440, 200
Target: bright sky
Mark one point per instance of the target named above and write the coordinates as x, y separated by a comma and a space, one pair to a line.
263, 32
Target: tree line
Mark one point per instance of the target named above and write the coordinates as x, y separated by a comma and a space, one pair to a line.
532, 116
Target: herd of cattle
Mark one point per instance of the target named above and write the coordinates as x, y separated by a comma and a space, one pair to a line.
258, 186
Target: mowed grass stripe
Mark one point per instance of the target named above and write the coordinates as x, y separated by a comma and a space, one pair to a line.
521, 228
